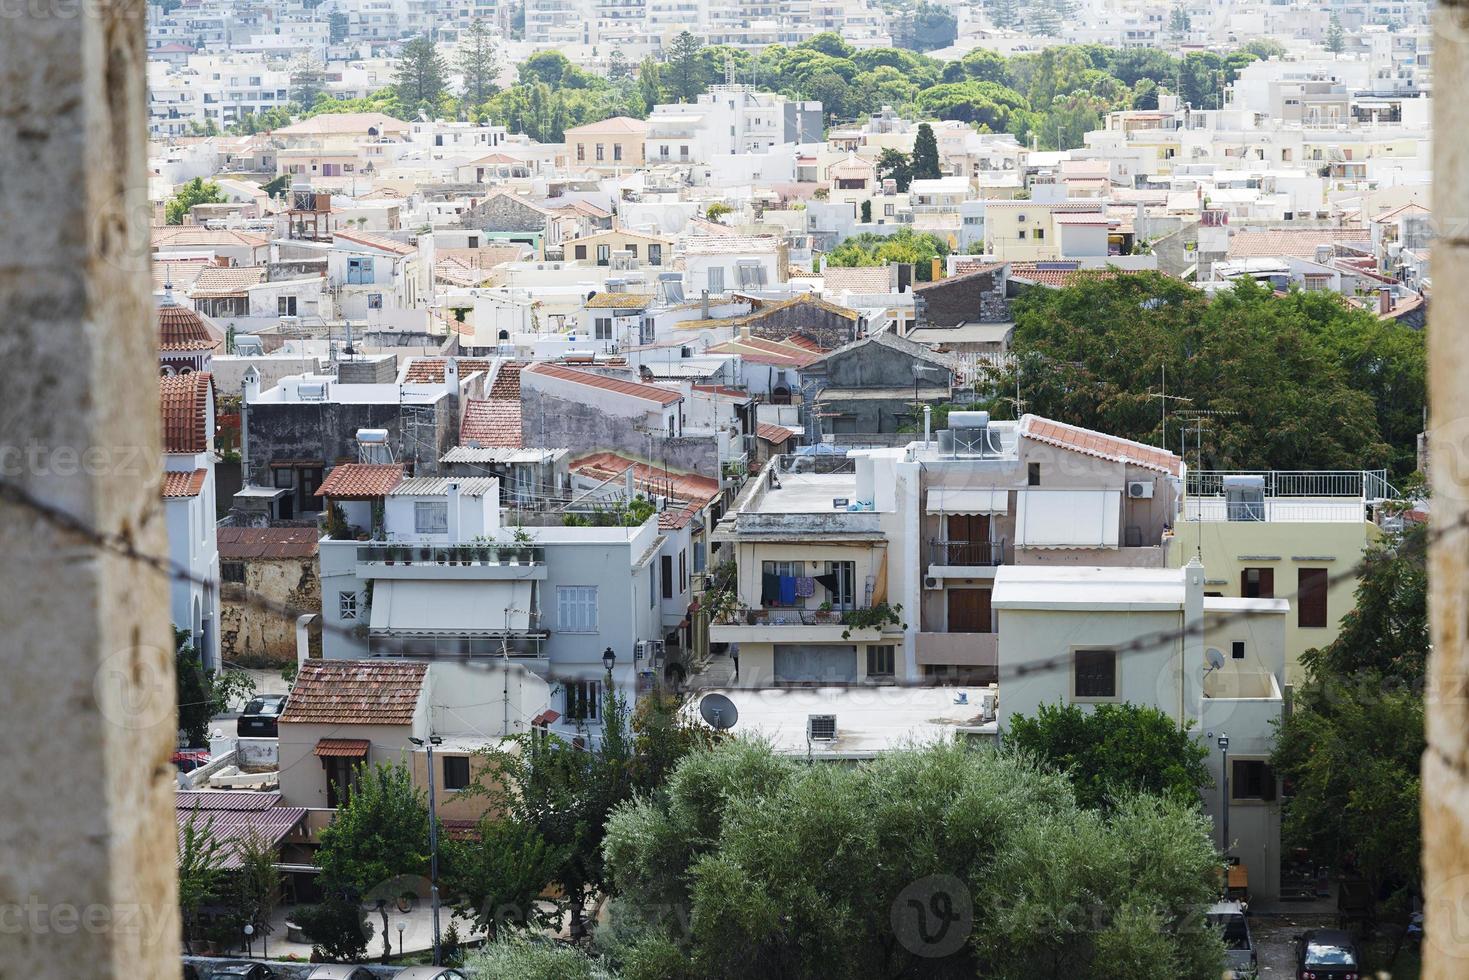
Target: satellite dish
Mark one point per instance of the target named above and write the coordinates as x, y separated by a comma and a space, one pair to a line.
719, 711
1214, 657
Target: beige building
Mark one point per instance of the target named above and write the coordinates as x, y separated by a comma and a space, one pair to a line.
277, 563
612, 146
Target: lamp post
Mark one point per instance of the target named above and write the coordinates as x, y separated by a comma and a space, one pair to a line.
249, 931
401, 926
1224, 790
433, 842
609, 660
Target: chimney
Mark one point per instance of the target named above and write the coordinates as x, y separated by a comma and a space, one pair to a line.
936, 268
451, 374
704, 304
1384, 300
453, 495
744, 331
927, 424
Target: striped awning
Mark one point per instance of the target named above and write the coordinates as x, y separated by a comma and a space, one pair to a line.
342, 748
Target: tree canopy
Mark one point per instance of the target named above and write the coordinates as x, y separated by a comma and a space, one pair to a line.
869, 248
1302, 381
753, 864
196, 191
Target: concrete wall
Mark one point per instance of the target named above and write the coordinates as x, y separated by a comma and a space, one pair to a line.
327, 431
302, 775
584, 427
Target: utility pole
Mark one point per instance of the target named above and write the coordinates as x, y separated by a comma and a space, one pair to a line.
433, 840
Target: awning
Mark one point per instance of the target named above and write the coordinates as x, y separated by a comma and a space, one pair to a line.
450, 607
342, 748
1067, 518
968, 501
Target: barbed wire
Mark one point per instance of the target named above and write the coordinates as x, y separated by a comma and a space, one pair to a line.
124, 547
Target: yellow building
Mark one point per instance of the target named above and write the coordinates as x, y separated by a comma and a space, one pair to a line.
1298, 539
612, 145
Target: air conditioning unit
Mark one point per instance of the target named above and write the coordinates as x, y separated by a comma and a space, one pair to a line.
932, 582
821, 728
1140, 489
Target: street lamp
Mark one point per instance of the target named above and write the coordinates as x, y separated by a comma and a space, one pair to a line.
609, 660
249, 931
400, 938
1224, 790
433, 844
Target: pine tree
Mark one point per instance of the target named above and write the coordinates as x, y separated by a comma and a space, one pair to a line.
617, 66
421, 72
308, 80
683, 67
1004, 13
1336, 39
1043, 18
650, 82
478, 63
925, 154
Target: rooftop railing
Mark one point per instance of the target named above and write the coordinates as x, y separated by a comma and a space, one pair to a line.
452, 554
1363, 484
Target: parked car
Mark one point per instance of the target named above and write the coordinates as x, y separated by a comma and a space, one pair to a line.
429, 973
260, 716
187, 760
243, 971
338, 971
1239, 945
1327, 954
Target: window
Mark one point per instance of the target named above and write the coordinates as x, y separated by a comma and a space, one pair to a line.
473, 241
667, 563
285, 305
576, 608
604, 254
583, 700
581, 152
374, 301
880, 661
581, 253
1311, 598
601, 153
683, 572
359, 271
1237, 649
663, 151
1040, 233
1094, 674
431, 516
632, 249
716, 279
841, 574
232, 571
652, 585
770, 574
1250, 779
1257, 583
341, 779
699, 560
346, 605
1033, 474
655, 254
888, 210
456, 772
603, 328
1021, 235
616, 151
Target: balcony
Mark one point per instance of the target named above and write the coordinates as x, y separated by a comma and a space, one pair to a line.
966, 554
1281, 496
958, 649
451, 561
792, 624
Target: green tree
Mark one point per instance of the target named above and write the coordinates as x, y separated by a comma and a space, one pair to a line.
617, 66
650, 82
498, 877
196, 191
378, 839
717, 210
338, 930
867, 212
421, 73
307, 79
1178, 23
277, 187
684, 81
925, 154
257, 881
925, 28
1114, 751
521, 958
1004, 14
478, 63
201, 871
1042, 17
897, 165
789, 869
871, 249
337, 26
1336, 38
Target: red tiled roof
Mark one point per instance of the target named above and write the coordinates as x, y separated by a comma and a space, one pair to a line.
185, 402
491, 423
430, 370
355, 692
780, 353
774, 433
380, 242
233, 280
633, 389
342, 748
507, 381
723, 391
185, 484
360, 481
1299, 243
1077, 439
239, 543
1057, 278
696, 491
181, 329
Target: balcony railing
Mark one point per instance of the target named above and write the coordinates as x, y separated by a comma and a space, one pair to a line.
452, 554
1362, 484
971, 553
794, 616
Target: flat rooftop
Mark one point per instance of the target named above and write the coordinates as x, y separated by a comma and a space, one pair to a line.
869, 720
808, 493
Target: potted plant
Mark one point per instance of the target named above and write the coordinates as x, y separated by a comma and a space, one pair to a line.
824, 613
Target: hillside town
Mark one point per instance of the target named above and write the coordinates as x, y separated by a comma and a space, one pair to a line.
656, 489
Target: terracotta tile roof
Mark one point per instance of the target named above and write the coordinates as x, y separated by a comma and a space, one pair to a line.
355, 692
360, 481
856, 279
342, 748
1098, 444
633, 389
430, 370
613, 124
181, 329
197, 236
180, 272
219, 280
964, 265
240, 543
1056, 277
724, 391
507, 381
695, 491
491, 423
780, 353
620, 301
1299, 243
806, 343
774, 433
344, 124
185, 484
185, 402
380, 242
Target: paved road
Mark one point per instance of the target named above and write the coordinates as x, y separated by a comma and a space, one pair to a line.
1275, 939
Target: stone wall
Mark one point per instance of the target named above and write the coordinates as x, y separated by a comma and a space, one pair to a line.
827, 328
327, 431
503, 213
971, 298
551, 422
252, 636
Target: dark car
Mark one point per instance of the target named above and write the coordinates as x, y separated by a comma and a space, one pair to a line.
243, 971
259, 718
1327, 954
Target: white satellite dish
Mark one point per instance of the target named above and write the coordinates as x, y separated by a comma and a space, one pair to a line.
1214, 658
